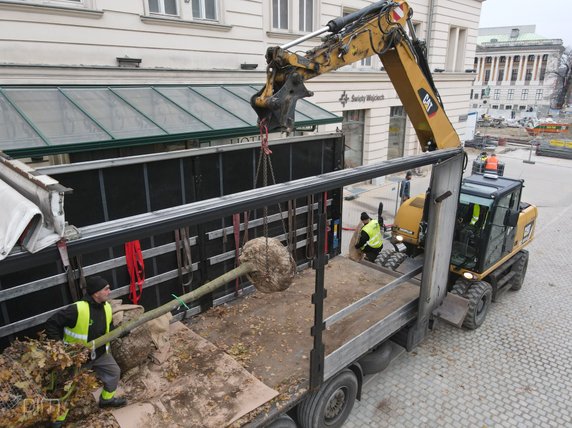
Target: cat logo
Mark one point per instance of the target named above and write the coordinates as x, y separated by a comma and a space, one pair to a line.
428, 102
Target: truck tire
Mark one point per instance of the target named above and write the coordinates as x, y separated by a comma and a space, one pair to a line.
283, 421
383, 256
395, 260
520, 271
329, 406
460, 287
376, 360
480, 295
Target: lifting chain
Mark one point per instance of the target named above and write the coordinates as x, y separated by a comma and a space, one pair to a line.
265, 163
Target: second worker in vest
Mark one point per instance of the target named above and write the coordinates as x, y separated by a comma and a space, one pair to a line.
370, 238
83, 322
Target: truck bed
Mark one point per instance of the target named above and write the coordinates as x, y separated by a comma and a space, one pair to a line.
270, 333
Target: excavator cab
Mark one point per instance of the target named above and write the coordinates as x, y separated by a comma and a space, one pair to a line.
487, 219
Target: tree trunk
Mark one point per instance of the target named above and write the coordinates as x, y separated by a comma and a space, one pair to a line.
209, 287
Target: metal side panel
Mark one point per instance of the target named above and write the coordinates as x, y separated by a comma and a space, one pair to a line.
445, 187
359, 345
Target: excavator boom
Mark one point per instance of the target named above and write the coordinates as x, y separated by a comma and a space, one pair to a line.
377, 29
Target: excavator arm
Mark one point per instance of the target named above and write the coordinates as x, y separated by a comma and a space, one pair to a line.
377, 29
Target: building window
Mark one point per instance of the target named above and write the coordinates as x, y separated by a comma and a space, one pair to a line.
502, 60
545, 57
496, 94
456, 49
353, 126
524, 95
510, 94
280, 14
495, 107
205, 9
528, 76
539, 93
306, 15
294, 15
514, 75
163, 7
522, 108
396, 136
500, 75
487, 75
488, 60
530, 57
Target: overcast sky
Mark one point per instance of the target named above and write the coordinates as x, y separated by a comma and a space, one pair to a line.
553, 19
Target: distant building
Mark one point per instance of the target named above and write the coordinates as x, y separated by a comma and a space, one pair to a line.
513, 71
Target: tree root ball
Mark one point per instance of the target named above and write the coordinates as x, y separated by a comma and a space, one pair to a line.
273, 269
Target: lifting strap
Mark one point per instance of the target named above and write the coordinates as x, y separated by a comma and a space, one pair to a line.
236, 232
310, 250
292, 228
184, 258
69, 270
136, 269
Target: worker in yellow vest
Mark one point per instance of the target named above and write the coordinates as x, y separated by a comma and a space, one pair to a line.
370, 239
83, 322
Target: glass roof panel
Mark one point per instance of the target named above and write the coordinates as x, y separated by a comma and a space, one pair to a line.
230, 102
37, 120
112, 113
311, 111
14, 130
201, 108
55, 116
162, 111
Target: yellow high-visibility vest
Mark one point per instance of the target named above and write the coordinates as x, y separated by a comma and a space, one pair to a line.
476, 214
78, 333
373, 230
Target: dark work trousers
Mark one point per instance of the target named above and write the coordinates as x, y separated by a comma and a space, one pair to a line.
106, 370
371, 253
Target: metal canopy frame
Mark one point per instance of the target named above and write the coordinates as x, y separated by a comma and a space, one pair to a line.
44, 120
117, 232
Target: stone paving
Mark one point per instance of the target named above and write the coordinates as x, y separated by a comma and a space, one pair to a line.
514, 371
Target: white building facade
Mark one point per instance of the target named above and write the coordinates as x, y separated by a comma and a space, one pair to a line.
145, 42
514, 69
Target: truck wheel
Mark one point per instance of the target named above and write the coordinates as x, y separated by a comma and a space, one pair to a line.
395, 260
329, 406
480, 295
377, 360
283, 421
520, 269
460, 286
383, 256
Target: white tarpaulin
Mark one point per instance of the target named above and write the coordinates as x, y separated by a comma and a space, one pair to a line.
31, 210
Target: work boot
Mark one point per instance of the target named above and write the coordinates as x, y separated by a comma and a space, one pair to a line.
112, 402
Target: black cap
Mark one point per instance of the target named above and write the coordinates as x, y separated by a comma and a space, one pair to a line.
408, 174
364, 216
95, 283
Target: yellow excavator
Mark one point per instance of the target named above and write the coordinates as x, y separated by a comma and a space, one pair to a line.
493, 225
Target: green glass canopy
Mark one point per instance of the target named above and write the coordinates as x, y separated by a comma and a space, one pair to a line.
42, 120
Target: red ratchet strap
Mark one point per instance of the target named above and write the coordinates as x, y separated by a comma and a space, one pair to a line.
136, 269
264, 137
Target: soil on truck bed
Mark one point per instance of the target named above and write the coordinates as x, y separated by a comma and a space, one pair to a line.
270, 333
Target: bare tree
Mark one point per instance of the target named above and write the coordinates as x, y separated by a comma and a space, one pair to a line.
562, 92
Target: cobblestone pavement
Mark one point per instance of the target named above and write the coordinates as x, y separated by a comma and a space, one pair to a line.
514, 371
